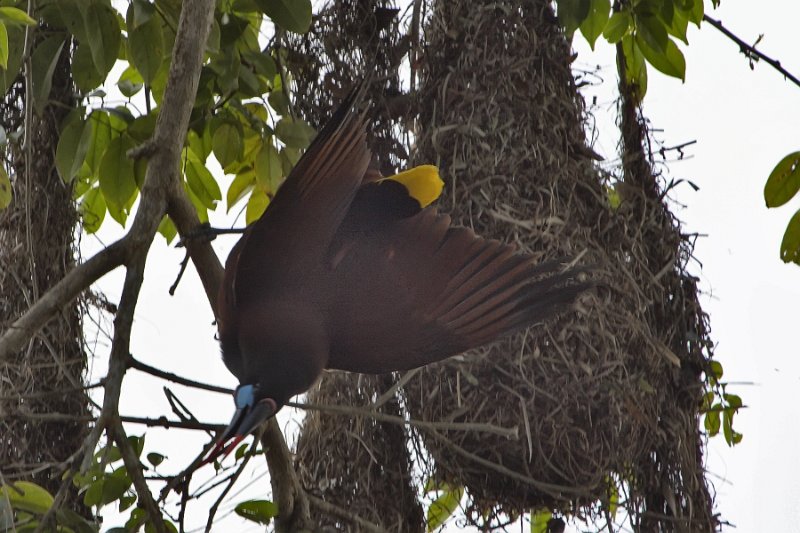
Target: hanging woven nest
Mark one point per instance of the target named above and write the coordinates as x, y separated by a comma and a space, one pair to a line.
609, 391
605, 398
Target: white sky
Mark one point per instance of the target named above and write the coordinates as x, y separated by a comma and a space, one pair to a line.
745, 122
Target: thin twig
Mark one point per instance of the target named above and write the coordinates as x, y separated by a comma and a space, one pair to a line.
511, 433
213, 511
559, 492
181, 271
169, 376
751, 51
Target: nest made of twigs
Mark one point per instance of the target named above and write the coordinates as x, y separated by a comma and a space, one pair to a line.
604, 398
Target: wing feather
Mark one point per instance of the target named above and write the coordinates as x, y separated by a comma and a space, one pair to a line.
418, 291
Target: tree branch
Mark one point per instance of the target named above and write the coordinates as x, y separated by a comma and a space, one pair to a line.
142, 367
751, 51
291, 499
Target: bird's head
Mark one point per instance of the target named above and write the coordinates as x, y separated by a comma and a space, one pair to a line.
253, 406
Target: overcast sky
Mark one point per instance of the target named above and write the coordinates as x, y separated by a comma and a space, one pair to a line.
744, 122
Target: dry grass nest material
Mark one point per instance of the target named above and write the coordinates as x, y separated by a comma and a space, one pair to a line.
605, 397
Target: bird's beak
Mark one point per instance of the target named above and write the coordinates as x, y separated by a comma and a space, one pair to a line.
245, 421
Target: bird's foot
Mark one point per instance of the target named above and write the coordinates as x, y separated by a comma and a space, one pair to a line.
205, 233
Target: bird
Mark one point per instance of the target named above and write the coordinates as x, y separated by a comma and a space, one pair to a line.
349, 270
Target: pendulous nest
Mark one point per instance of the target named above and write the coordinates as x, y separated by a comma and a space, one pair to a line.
604, 398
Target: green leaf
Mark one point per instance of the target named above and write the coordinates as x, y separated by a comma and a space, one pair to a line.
168, 230
73, 144
5, 188
117, 180
671, 61
227, 144
136, 520
93, 210
790, 245
294, 133
262, 63
292, 15
202, 183
154, 458
595, 22
256, 206
101, 138
268, 168
130, 81
443, 507
679, 25
242, 184
572, 13
712, 422
652, 30
3, 46
72, 522
635, 66
139, 12
199, 144
259, 511
734, 400
784, 181
240, 451
124, 503
202, 212
146, 45
143, 126
43, 64
15, 44
103, 34
115, 485
716, 369
617, 26
13, 15
279, 102
696, 14
84, 70
138, 443
27, 496
540, 520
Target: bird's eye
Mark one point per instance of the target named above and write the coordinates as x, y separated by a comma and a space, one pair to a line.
244, 396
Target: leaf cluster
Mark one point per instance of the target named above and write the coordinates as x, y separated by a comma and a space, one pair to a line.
242, 114
644, 30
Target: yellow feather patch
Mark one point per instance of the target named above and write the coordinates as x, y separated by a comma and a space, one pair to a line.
423, 183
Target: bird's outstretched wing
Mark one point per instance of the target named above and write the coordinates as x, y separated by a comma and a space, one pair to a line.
415, 290
301, 220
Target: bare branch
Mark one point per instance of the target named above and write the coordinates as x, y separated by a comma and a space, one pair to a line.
142, 367
134, 467
287, 492
751, 51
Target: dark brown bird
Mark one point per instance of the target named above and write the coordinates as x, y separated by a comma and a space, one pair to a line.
346, 271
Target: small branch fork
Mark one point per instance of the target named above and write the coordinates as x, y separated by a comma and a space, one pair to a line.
751, 52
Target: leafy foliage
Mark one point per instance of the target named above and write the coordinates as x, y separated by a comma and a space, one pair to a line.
645, 32
241, 116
